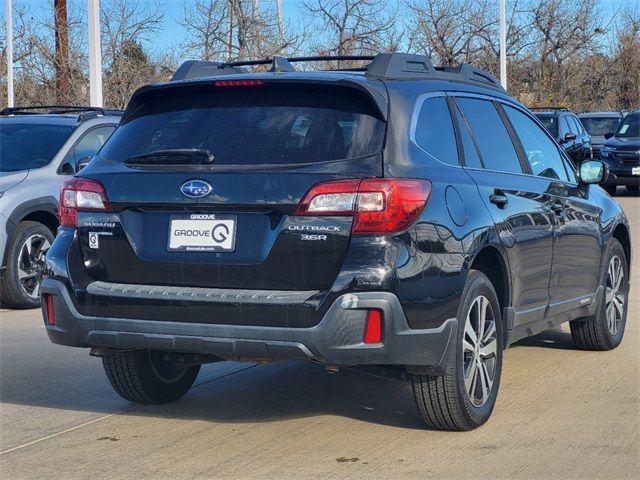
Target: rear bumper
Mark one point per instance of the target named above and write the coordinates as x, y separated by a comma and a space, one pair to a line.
336, 340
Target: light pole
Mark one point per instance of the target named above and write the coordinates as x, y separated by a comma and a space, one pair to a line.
503, 44
9, 53
95, 54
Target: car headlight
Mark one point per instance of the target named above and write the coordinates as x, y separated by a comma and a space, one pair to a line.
605, 152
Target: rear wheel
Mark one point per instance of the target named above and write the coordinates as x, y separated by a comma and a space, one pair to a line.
147, 376
26, 251
605, 329
464, 397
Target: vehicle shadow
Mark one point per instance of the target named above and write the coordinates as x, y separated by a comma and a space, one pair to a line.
553, 338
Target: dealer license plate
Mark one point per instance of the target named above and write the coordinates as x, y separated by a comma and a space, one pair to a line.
202, 233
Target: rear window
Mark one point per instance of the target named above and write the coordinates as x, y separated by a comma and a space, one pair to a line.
259, 125
600, 125
549, 122
30, 146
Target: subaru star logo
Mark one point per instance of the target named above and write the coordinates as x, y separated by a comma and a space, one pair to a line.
196, 188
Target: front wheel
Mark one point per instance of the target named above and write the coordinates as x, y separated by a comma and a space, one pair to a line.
604, 331
147, 376
464, 397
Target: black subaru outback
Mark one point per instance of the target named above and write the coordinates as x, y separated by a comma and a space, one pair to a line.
400, 215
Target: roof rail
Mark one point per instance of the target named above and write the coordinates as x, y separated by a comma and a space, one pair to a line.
549, 109
58, 109
383, 65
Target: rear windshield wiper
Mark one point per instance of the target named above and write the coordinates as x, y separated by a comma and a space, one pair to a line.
175, 156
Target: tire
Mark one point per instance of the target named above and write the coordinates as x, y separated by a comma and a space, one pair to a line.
26, 250
143, 376
610, 189
444, 402
604, 330
633, 189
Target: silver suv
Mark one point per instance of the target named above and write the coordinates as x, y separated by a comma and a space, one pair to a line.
37, 152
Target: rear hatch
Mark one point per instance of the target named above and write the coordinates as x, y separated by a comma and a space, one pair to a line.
203, 182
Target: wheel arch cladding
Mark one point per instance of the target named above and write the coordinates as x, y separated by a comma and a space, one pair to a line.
621, 234
490, 262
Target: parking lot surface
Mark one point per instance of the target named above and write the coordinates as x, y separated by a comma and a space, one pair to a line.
561, 413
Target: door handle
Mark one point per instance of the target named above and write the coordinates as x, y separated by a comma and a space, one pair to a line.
498, 198
558, 207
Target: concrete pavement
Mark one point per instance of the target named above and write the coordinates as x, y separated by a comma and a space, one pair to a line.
561, 413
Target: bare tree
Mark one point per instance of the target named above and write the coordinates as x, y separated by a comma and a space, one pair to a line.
450, 31
352, 27
126, 24
236, 29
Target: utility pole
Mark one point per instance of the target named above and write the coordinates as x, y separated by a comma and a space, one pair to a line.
95, 54
63, 86
9, 53
280, 20
503, 44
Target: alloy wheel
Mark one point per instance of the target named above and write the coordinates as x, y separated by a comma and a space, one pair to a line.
31, 264
615, 296
480, 351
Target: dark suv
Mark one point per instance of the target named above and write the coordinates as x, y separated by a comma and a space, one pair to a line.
404, 216
568, 131
621, 153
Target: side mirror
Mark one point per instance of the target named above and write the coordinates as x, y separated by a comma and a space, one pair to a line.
608, 135
569, 137
83, 162
67, 168
592, 171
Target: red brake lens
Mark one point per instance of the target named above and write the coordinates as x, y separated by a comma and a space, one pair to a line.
373, 327
239, 83
80, 194
51, 314
379, 206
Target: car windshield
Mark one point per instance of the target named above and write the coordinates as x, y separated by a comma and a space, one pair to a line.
630, 126
27, 146
549, 123
268, 125
600, 125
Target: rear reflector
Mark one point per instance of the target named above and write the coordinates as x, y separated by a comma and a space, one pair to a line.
238, 83
78, 195
380, 206
51, 314
373, 327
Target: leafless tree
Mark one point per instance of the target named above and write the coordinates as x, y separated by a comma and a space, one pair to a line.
236, 29
352, 27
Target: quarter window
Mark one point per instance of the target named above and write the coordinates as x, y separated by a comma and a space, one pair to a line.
494, 142
542, 153
434, 131
89, 145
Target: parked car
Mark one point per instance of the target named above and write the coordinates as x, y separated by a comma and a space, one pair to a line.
621, 152
568, 132
39, 150
403, 216
597, 125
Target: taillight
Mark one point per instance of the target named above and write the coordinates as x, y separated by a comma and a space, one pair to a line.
81, 195
379, 206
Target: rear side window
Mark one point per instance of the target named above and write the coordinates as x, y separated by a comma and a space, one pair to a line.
434, 131
260, 125
496, 147
542, 153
